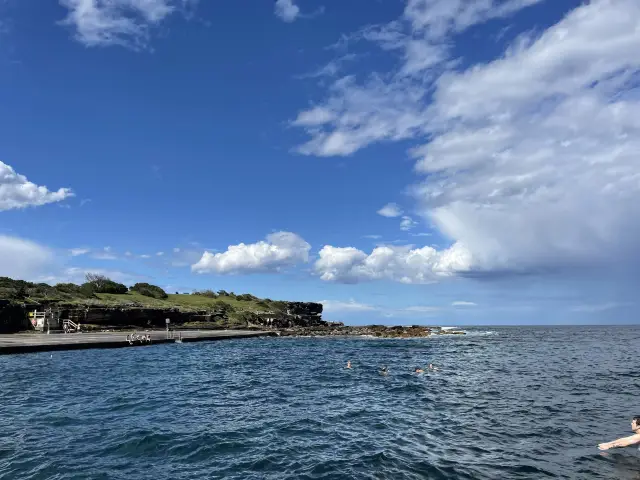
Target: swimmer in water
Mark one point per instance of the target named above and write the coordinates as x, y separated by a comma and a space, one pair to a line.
625, 441
431, 367
348, 363
418, 370
384, 370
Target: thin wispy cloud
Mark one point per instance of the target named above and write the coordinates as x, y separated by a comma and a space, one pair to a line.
407, 223
462, 303
126, 23
350, 306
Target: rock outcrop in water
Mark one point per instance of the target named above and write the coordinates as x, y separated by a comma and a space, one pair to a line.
378, 331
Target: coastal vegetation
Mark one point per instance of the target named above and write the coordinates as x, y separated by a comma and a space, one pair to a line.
99, 290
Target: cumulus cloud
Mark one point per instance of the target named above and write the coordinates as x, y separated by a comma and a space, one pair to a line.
530, 160
279, 250
287, 10
18, 192
390, 210
23, 259
397, 263
119, 22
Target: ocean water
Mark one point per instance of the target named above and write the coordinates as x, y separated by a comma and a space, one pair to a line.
506, 403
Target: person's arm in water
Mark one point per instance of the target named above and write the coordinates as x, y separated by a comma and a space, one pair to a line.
621, 442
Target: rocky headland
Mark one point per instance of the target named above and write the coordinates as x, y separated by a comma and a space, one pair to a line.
103, 305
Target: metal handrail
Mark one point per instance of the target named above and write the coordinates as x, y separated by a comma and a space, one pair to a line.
70, 324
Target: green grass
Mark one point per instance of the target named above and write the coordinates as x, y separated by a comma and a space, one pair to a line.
183, 302
20, 291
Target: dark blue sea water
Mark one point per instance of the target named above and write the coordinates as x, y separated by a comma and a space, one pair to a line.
506, 403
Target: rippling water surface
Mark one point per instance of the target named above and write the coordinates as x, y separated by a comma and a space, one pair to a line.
506, 403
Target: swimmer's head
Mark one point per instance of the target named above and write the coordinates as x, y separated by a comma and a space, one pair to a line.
635, 423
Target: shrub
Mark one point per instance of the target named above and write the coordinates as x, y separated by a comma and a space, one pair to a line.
73, 290
246, 297
206, 293
149, 290
223, 307
102, 284
278, 305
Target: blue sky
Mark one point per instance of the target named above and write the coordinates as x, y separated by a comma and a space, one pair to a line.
419, 161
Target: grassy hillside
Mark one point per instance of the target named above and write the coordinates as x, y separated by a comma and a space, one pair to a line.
19, 291
183, 302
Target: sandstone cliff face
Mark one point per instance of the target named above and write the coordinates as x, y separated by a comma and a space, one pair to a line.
13, 318
296, 314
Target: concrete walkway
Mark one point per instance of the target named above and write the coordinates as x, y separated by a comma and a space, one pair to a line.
40, 342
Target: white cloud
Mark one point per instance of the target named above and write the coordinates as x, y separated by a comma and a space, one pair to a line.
330, 69
119, 22
23, 259
145, 256
176, 250
400, 264
462, 303
390, 210
373, 237
159, 254
18, 192
287, 10
350, 306
532, 158
280, 250
407, 223
314, 117
355, 116
75, 252
437, 18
